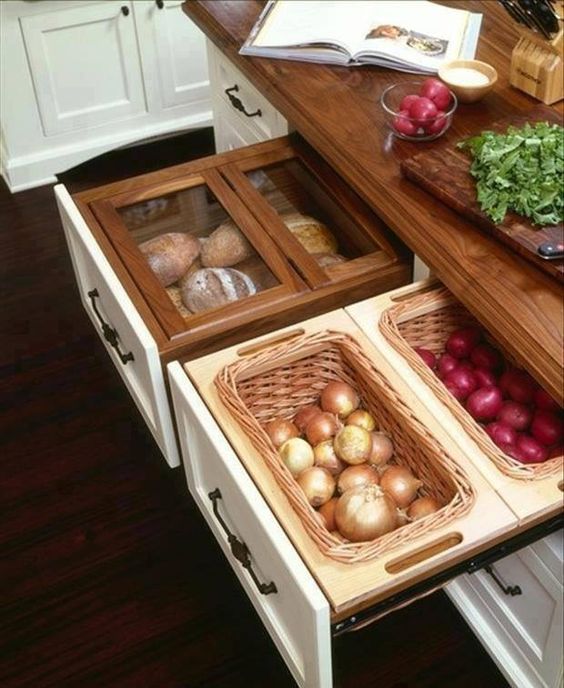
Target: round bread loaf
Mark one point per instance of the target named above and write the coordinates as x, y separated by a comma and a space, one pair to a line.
170, 255
312, 234
213, 287
225, 246
327, 259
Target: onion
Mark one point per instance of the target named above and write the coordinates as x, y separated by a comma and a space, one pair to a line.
339, 398
365, 513
544, 401
528, 450
464, 379
546, 428
297, 455
517, 415
400, 483
363, 419
485, 356
446, 364
318, 485
461, 342
327, 511
427, 356
354, 476
485, 403
485, 377
403, 518
382, 449
421, 507
304, 415
321, 427
502, 434
325, 457
279, 430
353, 444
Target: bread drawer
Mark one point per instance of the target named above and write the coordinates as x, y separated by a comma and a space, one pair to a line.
516, 611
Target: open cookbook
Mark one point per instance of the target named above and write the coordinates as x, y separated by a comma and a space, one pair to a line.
411, 35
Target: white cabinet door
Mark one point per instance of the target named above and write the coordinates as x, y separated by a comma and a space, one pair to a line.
85, 65
228, 134
174, 55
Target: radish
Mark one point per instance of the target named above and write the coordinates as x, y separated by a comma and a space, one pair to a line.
437, 91
547, 428
427, 356
464, 380
403, 124
528, 450
446, 364
407, 101
517, 415
484, 377
502, 434
422, 111
436, 125
485, 356
461, 342
544, 401
485, 403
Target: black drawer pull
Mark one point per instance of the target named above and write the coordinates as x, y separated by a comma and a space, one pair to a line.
125, 11
110, 334
160, 4
507, 589
239, 549
238, 105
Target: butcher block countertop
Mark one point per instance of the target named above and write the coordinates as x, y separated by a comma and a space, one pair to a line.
337, 110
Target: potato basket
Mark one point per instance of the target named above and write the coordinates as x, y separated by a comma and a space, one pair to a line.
426, 320
275, 382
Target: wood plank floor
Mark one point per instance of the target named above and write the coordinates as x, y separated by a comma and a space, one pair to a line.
108, 576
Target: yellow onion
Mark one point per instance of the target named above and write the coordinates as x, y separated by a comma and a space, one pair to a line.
327, 511
382, 449
279, 430
304, 415
321, 427
400, 483
353, 444
364, 513
339, 398
421, 507
354, 476
297, 455
318, 485
325, 457
363, 419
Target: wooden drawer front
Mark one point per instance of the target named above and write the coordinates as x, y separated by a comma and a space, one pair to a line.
297, 614
527, 627
143, 375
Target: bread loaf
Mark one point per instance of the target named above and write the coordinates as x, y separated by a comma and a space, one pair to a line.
312, 234
327, 259
170, 255
176, 298
213, 287
225, 247
259, 273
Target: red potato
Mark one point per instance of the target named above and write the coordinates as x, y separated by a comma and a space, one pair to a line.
516, 415
547, 428
437, 125
485, 403
544, 401
461, 342
455, 390
437, 91
485, 356
464, 380
422, 110
407, 101
446, 364
503, 435
427, 356
528, 450
521, 387
484, 377
403, 123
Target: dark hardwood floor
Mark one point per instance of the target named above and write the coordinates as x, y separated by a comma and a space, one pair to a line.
108, 574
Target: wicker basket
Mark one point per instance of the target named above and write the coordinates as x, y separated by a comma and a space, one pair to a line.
280, 388
426, 320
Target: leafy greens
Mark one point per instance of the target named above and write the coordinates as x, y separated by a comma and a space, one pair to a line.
521, 170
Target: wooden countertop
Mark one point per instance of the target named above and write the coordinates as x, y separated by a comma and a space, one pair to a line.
337, 110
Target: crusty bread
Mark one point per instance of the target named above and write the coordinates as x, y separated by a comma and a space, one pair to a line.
170, 255
312, 234
225, 246
213, 287
176, 298
327, 259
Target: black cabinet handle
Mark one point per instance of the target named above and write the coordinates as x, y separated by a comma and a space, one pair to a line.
125, 10
110, 334
239, 549
160, 4
238, 105
507, 589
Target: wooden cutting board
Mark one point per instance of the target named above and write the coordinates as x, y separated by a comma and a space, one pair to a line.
444, 172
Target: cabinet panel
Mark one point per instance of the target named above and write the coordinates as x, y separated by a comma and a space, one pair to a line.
85, 66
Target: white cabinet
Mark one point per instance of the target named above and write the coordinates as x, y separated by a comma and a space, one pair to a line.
80, 78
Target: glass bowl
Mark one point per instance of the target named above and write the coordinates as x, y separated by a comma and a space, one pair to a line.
406, 127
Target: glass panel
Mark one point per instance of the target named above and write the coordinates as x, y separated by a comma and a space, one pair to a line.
321, 225
196, 250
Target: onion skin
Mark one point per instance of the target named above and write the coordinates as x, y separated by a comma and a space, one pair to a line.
382, 449
318, 485
339, 398
327, 512
355, 476
325, 457
400, 483
297, 455
365, 513
304, 415
279, 430
361, 418
323, 426
422, 507
353, 444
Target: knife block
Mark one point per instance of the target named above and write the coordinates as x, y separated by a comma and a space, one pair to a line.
537, 66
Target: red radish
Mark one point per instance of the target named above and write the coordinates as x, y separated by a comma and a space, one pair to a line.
464, 380
436, 91
446, 364
485, 403
455, 391
437, 124
517, 415
461, 342
428, 356
528, 450
485, 356
547, 428
544, 401
522, 388
484, 377
403, 124
502, 434
407, 101
422, 110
